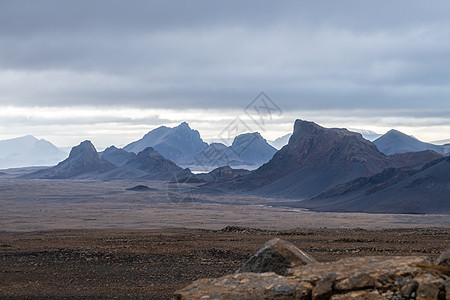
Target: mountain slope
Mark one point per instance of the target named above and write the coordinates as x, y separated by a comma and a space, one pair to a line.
397, 142
395, 190
83, 161
317, 159
147, 164
251, 149
116, 156
29, 151
178, 144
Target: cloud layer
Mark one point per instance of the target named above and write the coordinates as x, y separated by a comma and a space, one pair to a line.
384, 59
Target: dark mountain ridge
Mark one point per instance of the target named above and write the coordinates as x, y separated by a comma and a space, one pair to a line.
394, 190
316, 159
83, 159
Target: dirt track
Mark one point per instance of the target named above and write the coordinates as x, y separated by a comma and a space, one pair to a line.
153, 263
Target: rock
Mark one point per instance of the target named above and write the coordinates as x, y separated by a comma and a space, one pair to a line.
324, 287
427, 291
355, 282
372, 277
378, 267
447, 289
408, 287
359, 295
246, 286
276, 256
444, 259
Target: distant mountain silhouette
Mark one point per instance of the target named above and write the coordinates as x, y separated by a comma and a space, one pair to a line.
116, 156
367, 134
178, 144
317, 159
83, 161
147, 164
29, 151
252, 149
394, 190
247, 150
397, 142
281, 141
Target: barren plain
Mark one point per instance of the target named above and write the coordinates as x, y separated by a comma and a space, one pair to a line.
77, 239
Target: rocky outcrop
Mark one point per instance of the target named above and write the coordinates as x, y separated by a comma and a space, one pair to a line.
276, 256
410, 277
246, 286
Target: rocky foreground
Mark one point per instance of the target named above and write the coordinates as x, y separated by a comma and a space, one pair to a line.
281, 271
154, 263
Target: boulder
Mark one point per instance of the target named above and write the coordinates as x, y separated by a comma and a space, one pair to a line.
371, 277
444, 259
276, 256
246, 286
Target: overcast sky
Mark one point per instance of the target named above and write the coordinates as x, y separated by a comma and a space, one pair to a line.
110, 71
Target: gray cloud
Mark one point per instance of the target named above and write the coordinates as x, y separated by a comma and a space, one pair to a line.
383, 57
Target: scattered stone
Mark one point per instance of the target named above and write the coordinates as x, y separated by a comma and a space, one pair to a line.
444, 259
276, 256
324, 287
246, 286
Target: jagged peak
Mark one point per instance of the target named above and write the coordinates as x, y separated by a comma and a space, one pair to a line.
302, 127
111, 148
149, 151
83, 147
184, 125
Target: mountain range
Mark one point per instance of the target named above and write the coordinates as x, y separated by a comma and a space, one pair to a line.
29, 151
185, 147
84, 162
316, 159
326, 169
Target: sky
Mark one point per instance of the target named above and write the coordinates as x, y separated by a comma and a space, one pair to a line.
110, 71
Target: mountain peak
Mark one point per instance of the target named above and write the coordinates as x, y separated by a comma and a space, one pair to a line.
183, 125
246, 137
306, 127
83, 159
395, 131
394, 142
84, 148
179, 143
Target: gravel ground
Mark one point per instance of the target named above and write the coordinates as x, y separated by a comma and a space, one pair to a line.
152, 264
